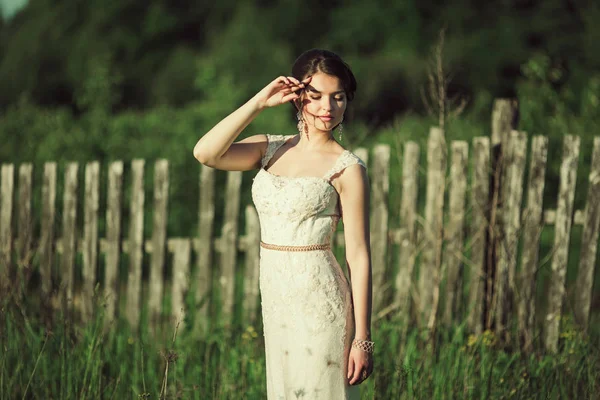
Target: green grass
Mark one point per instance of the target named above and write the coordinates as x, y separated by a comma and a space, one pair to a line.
47, 357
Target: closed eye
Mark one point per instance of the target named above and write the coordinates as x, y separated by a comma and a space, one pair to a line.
339, 98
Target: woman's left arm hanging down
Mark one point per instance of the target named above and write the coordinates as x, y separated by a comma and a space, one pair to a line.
354, 196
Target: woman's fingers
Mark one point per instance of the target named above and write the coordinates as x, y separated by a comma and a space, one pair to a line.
350, 367
295, 83
294, 87
284, 88
291, 81
291, 96
285, 83
290, 90
356, 376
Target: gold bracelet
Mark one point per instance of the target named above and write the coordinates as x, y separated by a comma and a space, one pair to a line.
364, 345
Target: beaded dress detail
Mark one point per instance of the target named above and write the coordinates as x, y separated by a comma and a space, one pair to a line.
308, 318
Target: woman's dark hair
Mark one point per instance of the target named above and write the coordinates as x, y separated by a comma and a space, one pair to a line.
316, 60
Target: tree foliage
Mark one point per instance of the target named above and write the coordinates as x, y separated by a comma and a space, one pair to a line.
159, 47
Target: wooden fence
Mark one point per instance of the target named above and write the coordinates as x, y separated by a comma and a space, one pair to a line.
468, 246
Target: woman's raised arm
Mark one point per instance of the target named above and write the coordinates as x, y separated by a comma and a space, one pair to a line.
217, 149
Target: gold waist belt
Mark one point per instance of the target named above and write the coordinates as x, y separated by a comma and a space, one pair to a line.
309, 247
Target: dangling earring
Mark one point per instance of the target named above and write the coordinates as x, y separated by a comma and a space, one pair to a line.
302, 124
340, 128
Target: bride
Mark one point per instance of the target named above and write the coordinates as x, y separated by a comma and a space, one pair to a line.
306, 183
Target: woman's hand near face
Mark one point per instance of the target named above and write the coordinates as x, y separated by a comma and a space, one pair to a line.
217, 149
280, 91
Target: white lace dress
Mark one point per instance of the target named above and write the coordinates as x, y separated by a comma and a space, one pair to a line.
307, 311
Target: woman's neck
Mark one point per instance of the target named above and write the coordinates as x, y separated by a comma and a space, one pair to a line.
315, 140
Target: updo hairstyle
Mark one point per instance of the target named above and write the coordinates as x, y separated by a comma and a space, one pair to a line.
317, 60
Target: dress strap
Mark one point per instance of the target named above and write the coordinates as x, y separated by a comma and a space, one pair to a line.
273, 143
346, 159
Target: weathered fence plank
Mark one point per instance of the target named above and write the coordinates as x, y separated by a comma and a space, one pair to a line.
181, 249
478, 231
429, 274
589, 242
532, 229
159, 240
504, 117
204, 250
562, 233
135, 243
408, 227
380, 188
69, 233
512, 193
455, 230
6, 211
113, 239
23, 249
228, 250
46, 246
90, 237
251, 265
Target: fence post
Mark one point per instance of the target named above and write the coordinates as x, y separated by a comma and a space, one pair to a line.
429, 274
204, 250
562, 233
135, 243
532, 229
408, 219
6, 207
113, 239
68, 237
159, 241
251, 265
24, 226
228, 250
504, 120
47, 228
512, 193
90, 238
478, 232
380, 187
589, 242
181, 276
452, 267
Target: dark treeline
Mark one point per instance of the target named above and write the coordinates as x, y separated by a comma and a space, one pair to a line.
165, 52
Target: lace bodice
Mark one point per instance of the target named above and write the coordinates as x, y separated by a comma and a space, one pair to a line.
297, 210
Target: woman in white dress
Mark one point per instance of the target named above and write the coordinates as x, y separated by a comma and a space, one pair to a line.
316, 323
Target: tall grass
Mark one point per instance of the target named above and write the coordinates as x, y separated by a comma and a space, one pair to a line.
53, 358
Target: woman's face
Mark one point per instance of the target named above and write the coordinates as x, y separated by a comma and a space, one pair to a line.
323, 102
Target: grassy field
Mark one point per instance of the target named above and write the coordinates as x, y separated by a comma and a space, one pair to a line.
46, 357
